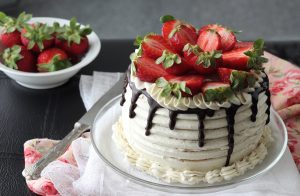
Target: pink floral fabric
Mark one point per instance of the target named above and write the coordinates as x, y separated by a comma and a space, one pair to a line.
285, 90
33, 151
285, 97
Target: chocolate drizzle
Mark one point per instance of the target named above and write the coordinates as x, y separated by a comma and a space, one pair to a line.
201, 113
230, 115
254, 95
153, 106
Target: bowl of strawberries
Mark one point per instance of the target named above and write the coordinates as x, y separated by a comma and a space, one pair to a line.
44, 52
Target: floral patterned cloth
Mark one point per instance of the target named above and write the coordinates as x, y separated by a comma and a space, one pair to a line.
285, 89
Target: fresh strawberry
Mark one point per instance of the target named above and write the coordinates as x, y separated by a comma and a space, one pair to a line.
216, 91
202, 62
53, 59
209, 40
245, 58
147, 70
11, 28
19, 58
177, 32
178, 69
193, 82
72, 38
238, 79
228, 39
154, 46
170, 23
209, 26
37, 37
243, 45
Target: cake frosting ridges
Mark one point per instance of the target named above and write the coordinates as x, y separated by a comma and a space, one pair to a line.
195, 104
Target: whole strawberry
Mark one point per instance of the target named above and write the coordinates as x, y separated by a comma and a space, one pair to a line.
53, 59
19, 58
37, 37
11, 28
73, 39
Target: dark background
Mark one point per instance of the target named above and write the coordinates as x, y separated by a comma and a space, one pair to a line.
268, 19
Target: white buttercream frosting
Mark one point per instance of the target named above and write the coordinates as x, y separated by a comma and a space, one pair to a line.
173, 175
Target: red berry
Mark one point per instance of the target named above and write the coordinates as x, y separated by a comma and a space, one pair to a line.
39, 34
147, 70
209, 40
53, 59
243, 45
73, 48
18, 57
193, 82
177, 32
153, 46
11, 39
236, 59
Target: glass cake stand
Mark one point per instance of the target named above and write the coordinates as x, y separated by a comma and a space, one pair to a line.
108, 151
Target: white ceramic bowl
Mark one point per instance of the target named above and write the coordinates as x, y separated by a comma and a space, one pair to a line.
57, 78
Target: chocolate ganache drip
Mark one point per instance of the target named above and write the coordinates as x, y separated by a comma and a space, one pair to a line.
201, 114
264, 87
230, 115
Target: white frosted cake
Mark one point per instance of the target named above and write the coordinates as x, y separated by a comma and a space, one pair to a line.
185, 124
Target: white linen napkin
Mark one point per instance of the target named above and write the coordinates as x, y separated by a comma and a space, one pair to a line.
93, 177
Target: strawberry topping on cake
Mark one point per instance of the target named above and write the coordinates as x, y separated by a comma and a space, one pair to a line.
185, 62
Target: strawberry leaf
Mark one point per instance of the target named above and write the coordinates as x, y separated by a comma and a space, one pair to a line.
175, 88
168, 59
256, 59
219, 94
208, 59
73, 32
189, 48
240, 80
166, 18
11, 56
54, 65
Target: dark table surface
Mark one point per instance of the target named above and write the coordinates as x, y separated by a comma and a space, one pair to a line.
27, 113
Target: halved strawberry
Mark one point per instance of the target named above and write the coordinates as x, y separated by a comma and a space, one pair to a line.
216, 91
228, 39
209, 26
147, 70
245, 58
209, 40
243, 45
178, 69
11, 27
238, 79
19, 58
37, 37
154, 46
202, 62
177, 32
192, 82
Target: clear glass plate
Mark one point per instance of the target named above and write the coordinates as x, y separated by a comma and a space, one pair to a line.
114, 158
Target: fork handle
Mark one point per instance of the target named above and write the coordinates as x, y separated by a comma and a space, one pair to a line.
33, 172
